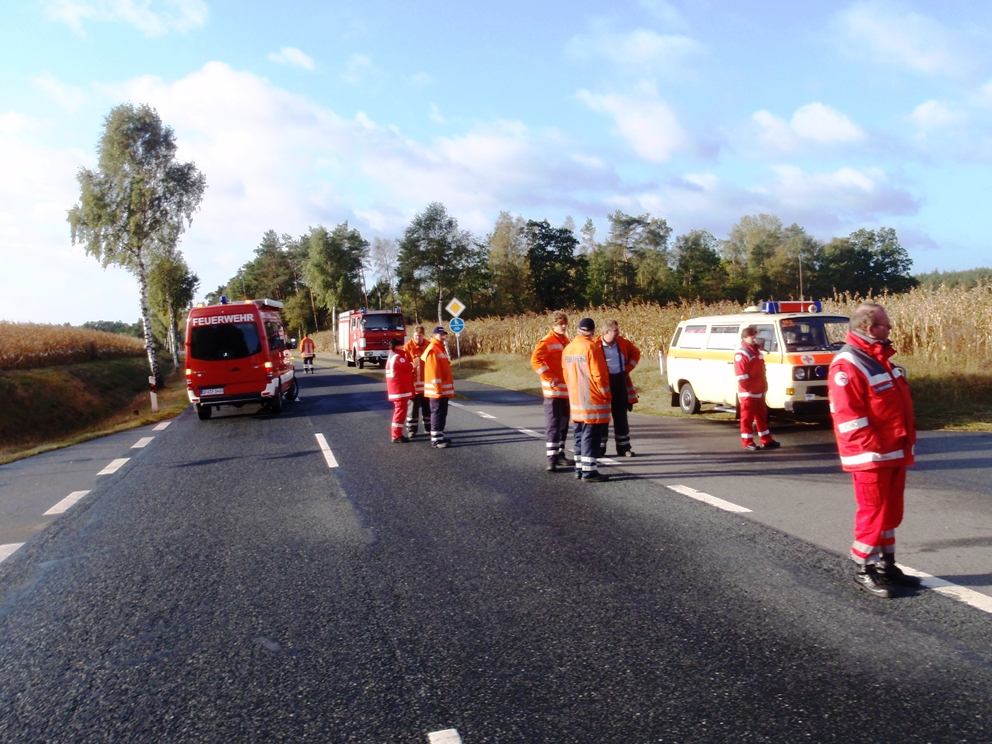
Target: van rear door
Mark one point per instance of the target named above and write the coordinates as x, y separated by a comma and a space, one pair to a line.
227, 358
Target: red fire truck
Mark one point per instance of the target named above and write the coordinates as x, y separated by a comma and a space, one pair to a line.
364, 335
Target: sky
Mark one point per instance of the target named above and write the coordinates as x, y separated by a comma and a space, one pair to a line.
836, 116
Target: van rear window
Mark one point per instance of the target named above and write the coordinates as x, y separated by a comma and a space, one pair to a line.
226, 341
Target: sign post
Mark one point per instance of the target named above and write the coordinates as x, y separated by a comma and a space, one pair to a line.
457, 325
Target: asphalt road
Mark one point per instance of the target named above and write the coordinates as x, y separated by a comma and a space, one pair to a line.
227, 583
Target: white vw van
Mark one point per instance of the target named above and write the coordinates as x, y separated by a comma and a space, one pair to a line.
798, 342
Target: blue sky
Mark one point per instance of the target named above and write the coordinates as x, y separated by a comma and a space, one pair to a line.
836, 116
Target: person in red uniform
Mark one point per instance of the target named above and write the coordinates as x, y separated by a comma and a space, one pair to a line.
308, 350
749, 367
546, 361
420, 408
588, 381
399, 387
872, 411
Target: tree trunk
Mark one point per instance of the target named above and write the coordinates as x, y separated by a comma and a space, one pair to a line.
173, 338
439, 319
146, 322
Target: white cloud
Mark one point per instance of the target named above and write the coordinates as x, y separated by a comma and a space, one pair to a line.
360, 70
153, 17
885, 33
292, 56
930, 116
65, 96
847, 191
436, 115
812, 124
665, 12
643, 119
639, 52
421, 80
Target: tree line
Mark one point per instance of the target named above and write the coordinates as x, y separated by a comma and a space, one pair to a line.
532, 266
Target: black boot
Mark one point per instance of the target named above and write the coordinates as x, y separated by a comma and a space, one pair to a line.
870, 580
889, 571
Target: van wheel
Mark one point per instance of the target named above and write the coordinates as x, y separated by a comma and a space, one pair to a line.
294, 390
687, 399
202, 412
275, 404
361, 361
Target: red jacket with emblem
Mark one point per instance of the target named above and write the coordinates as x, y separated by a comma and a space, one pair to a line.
749, 367
399, 375
871, 406
546, 361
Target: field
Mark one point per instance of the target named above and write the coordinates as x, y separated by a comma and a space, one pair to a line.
33, 345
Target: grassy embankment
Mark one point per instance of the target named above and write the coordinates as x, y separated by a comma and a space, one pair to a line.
50, 397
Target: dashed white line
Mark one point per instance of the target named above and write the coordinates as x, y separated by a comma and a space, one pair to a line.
65, 503
607, 461
486, 415
457, 405
326, 449
692, 493
114, 466
162, 426
142, 443
962, 594
448, 736
8, 550
531, 433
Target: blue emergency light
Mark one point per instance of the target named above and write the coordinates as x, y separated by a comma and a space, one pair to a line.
223, 299
792, 306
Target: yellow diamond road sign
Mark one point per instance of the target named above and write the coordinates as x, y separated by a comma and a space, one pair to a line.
455, 307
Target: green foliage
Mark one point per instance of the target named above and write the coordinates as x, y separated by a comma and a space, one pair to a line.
967, 279
334, 266
699, 273
557, 274
115, 326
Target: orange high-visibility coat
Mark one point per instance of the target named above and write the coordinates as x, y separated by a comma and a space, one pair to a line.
588, 381
438, 380
307, 347
415, 351
546, 361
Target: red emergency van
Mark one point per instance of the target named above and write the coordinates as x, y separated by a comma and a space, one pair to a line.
236, 353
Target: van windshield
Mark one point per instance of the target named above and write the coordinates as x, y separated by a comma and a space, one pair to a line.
391, 322
224, 341
814, 334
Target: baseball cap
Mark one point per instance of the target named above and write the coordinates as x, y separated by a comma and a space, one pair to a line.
437, 330
587, 324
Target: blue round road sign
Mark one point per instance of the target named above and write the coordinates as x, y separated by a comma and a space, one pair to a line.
457, 325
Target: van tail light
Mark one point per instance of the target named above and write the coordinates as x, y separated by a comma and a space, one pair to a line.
268, 370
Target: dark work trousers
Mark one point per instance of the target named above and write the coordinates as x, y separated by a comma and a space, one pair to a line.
587, 446
439, 417
419, 408
618, 408
556, 422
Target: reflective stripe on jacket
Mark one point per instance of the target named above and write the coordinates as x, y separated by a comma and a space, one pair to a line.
871, 407
415, 351
588, 381
307, 347
399, 376
438, 381
749, 368
546, 361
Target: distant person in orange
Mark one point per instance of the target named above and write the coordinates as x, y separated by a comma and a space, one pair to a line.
546, 361
308, 349
439, 385
420, 407
399, 387
588, 381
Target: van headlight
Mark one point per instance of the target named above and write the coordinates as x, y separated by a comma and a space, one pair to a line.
799, 373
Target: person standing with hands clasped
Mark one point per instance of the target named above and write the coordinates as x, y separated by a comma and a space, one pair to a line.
749, 367
621, 358
872, 411
588, 381
546, 361
439, 385
399, 387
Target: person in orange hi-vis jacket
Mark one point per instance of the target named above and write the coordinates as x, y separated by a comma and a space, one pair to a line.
546, 361
872, 410
399, 387
308, 349
749, 368
588, 381
439, 385
420, 407
621, 358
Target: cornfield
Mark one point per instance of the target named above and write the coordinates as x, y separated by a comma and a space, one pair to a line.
30, 345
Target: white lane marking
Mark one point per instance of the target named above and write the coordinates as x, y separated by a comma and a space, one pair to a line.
448, 736
114, 466
8, 550
486, 415
162, 426
607, 461
962, 594
530, 433
142, 443
459, 405
692, 493
326, 449
65, 503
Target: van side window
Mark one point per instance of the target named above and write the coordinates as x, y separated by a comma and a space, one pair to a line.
277, 337
724, 337
675, 338
766, 337
693, 337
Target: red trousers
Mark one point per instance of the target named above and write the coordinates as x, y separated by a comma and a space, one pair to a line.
399, 417
879, 494
754, 417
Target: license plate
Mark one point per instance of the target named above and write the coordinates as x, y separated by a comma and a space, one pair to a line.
810, 396
212, 391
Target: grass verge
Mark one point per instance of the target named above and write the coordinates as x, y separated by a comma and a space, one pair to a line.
48, 408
